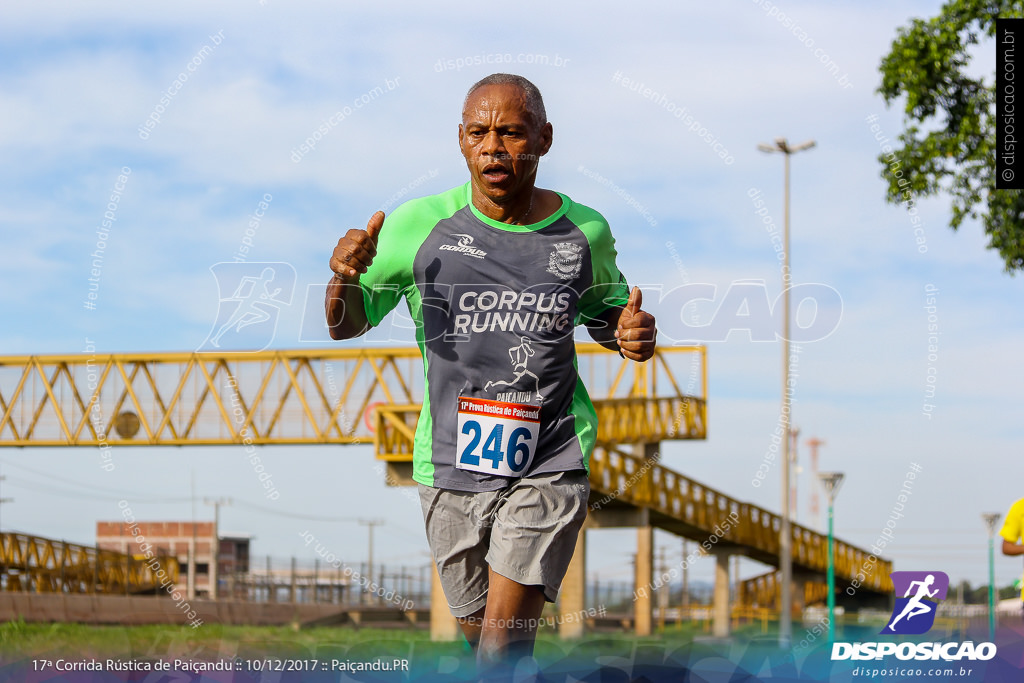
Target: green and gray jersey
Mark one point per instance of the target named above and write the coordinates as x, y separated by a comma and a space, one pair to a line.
495, 307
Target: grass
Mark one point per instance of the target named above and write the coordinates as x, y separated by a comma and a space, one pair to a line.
20, 639
21, 642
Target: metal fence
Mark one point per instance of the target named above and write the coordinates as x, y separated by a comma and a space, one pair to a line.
275, 579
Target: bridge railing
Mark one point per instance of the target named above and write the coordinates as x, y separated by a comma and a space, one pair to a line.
644, 482
291, 397
42, 565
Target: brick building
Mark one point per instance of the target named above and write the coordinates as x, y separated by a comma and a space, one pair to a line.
192, 543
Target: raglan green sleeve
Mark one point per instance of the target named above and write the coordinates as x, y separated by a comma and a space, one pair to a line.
391, 274
608, 287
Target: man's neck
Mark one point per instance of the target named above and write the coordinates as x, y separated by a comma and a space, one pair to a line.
528, 207
515, 211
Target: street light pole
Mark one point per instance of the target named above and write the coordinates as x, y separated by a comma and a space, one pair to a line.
990, 520
831, 481
785, 533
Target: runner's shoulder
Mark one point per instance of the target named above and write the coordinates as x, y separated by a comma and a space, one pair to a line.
594, 227
590, 221
429, 209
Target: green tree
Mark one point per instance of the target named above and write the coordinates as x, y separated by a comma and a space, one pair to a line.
978, 595
948, 144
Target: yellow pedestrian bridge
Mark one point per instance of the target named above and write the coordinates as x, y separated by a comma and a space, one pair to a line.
42, 565
373, 396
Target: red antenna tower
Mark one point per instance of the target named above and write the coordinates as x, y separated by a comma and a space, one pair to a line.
794, 508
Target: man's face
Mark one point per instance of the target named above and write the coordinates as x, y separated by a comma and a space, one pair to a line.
501, 142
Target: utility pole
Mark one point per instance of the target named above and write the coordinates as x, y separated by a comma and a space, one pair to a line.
192, 545
11, 500
785, 413
814, 443
215, 560
4, 500
370, 523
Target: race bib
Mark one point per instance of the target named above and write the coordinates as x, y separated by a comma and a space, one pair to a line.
496, 437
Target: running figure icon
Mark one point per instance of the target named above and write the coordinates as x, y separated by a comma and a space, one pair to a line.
915, 606
249, 311
519, 356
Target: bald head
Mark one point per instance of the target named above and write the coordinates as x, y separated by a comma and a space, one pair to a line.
531, 94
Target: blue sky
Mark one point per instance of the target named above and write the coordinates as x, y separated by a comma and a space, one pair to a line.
77, 82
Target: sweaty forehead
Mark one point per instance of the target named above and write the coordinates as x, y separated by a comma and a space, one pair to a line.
496, 102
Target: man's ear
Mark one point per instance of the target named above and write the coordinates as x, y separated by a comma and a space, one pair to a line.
546, 132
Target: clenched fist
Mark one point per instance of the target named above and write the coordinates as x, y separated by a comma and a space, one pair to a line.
355, 251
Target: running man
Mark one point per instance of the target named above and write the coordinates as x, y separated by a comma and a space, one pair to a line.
502, 478
915, 606
1013, 529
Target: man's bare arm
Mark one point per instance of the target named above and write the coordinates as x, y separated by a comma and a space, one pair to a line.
626, 329
602, 329
346, 315
343, 305
1012, 548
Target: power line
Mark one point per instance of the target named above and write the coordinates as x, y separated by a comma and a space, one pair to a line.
67, 493
293, 515
141, 498
74, 482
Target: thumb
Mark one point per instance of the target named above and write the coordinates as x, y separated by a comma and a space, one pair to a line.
634, 303
374, 226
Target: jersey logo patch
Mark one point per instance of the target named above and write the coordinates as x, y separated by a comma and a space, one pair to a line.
565, 261
519, 355
465, 246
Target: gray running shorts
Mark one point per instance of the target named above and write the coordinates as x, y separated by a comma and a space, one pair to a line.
525, 532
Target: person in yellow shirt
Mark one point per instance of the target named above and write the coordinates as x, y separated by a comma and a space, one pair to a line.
1012, 532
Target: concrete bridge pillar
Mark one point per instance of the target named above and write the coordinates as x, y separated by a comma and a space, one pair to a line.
644, 570
720, 601
573, 596
644, 576
442, 624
